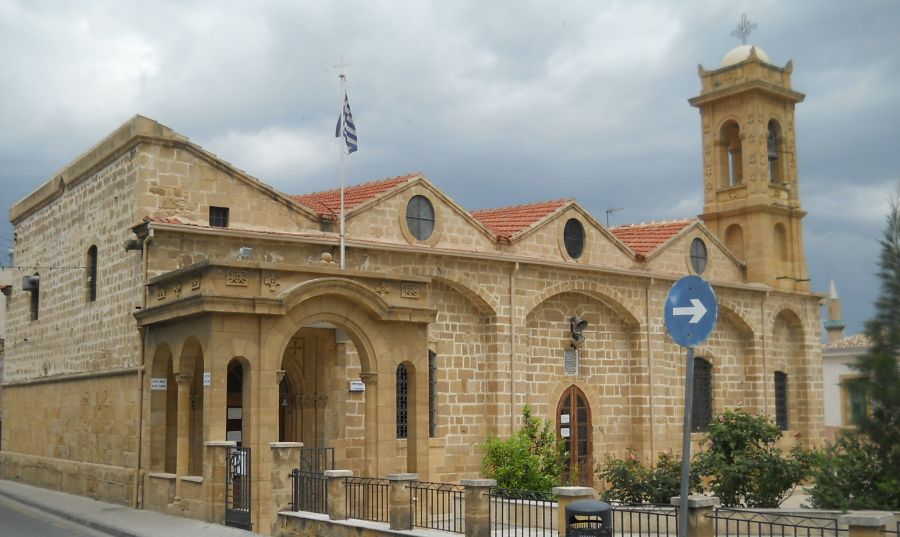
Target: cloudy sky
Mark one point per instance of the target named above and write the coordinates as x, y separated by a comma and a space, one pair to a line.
498, 103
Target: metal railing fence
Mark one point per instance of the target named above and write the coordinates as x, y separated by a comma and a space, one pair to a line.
645, 520
746, 522
309, 492
437, 506
521, 513
367, 498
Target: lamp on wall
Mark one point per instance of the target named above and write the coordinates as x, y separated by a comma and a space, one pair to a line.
577, 325
245, 253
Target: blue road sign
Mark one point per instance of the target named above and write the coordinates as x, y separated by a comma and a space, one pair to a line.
691, 311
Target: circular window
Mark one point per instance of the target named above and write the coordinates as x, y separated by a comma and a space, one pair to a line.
573, 237
698, 256
420, 217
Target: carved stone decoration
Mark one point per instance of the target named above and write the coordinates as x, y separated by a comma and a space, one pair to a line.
195, 281
382, 289
160, 292
271, 281
706, 130
707, 151
708, 171
236, 278
176, 289
753, 160
409, 290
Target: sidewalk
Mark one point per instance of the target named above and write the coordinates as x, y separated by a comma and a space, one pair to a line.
111, 518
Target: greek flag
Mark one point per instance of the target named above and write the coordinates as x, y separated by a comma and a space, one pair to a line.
346, 127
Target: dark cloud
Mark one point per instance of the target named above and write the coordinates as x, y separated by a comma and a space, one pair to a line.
496, 103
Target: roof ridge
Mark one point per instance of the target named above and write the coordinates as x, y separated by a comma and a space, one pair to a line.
358, 185
685, 220
559, 201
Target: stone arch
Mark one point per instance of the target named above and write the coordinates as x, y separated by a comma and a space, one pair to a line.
486, 303
779, 242
163, 423
789, 356
238, 396
341, 287
734, 313
607, 295
191, 366
734, 240
731, 153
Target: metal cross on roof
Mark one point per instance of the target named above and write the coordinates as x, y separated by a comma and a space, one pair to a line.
743, 29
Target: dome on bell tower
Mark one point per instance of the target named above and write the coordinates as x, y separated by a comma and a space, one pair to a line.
741, 53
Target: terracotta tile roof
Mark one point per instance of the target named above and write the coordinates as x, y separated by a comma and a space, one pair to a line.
644, 238
856, 341
506, 222
328, 203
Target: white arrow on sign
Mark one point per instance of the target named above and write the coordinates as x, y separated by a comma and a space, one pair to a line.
697, 309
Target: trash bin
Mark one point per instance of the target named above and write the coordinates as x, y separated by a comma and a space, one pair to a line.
589, 518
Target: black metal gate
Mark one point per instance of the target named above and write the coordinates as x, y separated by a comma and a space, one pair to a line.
237, 488
310, 490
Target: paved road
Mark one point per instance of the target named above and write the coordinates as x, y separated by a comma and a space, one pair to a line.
19, 520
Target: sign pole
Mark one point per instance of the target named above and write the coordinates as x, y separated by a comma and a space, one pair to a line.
686, 445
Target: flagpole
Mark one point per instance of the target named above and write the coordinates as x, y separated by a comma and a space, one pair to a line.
343, 90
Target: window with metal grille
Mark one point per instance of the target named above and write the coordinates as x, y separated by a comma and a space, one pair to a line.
573, 237
701, 412
420, 217
432, 394
781, 400
698, 256
92, 273
218, 216
402, 401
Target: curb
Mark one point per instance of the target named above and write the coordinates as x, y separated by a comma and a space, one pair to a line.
94, 525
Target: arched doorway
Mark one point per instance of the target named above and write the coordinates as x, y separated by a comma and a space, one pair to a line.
573, 426
235, 419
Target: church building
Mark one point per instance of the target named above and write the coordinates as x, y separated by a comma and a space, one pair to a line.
173, 304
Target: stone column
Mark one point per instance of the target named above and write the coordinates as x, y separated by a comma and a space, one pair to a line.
399, 510
215, 466
699, 524
478, 506
566, 496
285, 457
182, 444
337, 493
867, 523
371, 382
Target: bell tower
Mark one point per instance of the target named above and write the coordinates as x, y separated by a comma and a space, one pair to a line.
751, 195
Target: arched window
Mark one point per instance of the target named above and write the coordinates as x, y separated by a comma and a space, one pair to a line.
432, 394
402, 401
781, 400
92, 273
701, 412
734, 240
773, 146
234, 387
731, 154
780, 239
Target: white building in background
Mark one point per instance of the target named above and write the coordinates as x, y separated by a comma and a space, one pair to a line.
843, 404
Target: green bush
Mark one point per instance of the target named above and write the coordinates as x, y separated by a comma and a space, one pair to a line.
850, 474
629, 481
531, 459
742, 464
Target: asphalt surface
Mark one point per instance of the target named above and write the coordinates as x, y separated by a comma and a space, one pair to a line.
26, 506
20, 520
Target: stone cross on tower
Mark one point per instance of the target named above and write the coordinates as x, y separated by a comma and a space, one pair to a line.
743, 29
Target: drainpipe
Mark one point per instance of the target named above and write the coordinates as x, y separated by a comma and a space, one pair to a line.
135, 503
512, 347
